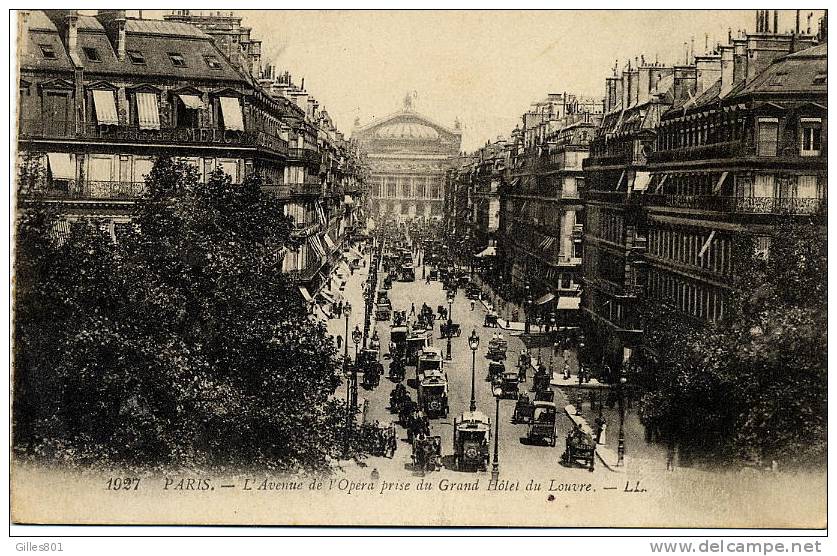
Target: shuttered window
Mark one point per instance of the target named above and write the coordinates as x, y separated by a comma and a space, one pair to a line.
231, 112
768, 136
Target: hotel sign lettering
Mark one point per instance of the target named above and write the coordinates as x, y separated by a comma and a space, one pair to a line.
176, 135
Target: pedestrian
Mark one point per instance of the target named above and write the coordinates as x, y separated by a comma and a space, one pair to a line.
375, 475
339, 341
472, 304
412, 309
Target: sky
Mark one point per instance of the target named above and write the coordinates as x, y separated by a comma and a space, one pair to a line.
483, 67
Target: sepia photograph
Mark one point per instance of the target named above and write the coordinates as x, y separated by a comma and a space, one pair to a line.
419, 268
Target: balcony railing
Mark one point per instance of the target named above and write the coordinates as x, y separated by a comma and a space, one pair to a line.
716, 150
57, 129
741, 205
308, 156
88, 190
615, 197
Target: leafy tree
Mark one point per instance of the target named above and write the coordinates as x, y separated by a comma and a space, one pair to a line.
754, 386
181, 344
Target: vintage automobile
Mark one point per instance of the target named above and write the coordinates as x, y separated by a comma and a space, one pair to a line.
427, 453
508, 384
428, 360
472, 291
417, 341
450, 328
471, 433
579, 449
382, 296
380, 439
443, 274
433, 394
523, 409
496, 370
434, 273
383, 311
497, 349
387, 282
542, 423
371, 368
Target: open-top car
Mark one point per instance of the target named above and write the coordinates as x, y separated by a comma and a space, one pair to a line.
497, 349
471, 433
433, 394
523, 409
542, 423
450, 328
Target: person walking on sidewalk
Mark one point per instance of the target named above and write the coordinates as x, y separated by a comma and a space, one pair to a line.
412, 309
339, 341
472, 304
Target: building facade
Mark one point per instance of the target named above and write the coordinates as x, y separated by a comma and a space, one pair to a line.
408, 156
722, 146
101, 97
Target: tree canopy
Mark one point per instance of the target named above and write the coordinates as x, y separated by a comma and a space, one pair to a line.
752, 387
182, 343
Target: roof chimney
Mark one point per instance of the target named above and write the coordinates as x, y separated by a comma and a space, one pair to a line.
727, 69
66, 21
685, 78
114, 23
708, 69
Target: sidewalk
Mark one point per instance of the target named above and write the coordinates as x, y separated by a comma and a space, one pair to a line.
606, 455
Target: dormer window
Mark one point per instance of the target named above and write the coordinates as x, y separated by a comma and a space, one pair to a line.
212, 62
48, 51
92, 54
177, 59
136, 57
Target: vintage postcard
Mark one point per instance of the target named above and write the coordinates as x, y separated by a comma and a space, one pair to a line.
428, 268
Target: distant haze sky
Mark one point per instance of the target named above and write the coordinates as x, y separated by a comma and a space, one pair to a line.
483, 67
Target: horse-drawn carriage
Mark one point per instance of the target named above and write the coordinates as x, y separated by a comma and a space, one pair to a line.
507, 383
472, 291
497, 348
383, 311
398, 398
541, 380
398, 339
427, 453
471, 433
379, 439
542, 423
416, 343
371, 368
450, 328
434, 273
524, 409
415, 421
397, 369
387, 281
580, 448
491, 318
407, 273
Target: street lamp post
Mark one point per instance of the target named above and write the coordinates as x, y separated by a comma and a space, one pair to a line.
621, 445
527, 307
473, 343
356, 338
495, 465
450, 326
347, 312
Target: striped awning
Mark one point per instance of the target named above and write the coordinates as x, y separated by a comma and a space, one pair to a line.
305, 294
192, 102
105, 104
329, 243
148, 114
569, 303
61, 166
314, 241
231, 111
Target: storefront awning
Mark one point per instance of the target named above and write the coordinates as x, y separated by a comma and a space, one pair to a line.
192, 102
148, 114
327, 295
305, 294
489, 251
329, 243
355, 253
231, 111
569, 303
642, 180
105, 105
546, 298
61, 166
315, 244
